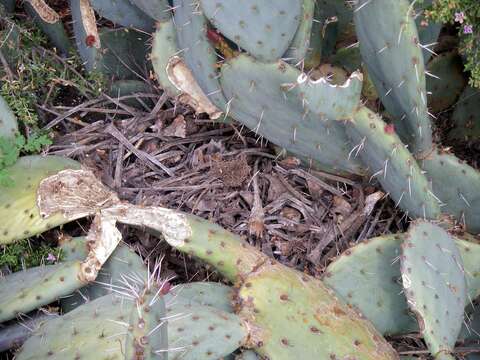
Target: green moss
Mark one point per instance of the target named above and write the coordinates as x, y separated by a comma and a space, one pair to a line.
466, 15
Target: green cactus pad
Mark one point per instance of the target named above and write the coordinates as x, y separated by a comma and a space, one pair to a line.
457, 186
198, 332
389, 45
329, 101
378, 145
120, 53
8, 121
122, 88
465, 117
197, 51
293, 310
109, 327
211, 294
428, 31
123, 262
164, 46
264, 98
300, 45
124, 53
123, 12
287, 308
375, 264
334, 18
24, 291
434, 281
265, 29
55, 31
88, 52
444, 89
18, 203
156, 9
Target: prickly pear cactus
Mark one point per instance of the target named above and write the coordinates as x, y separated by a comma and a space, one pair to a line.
374, 264
389, 44
112, 326
264, 97
434, 281
123, 12
377, 144
51, 24
198, 332
267, 292
18, 203
300, 46
157, 9
123, 263
164, 47
265, 29
210, 294
460, 198
465, 117
196, 49
24, 291
445, 82
330, 101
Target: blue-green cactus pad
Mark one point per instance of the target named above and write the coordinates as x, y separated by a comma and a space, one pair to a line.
264, 28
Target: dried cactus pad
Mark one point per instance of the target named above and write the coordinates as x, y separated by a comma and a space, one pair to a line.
434, 281
263, 28
18, 203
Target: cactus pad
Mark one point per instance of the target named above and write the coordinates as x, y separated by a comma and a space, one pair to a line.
264, 98
300, 45
389, 45
156, 9
123, 12
24, 291
197, 51
18, 203
293, 310
329, 101
434, 282
264, 28
465, 117
110, 327
198, 332
457, 186
164, 46
375, 264
444, 89
211, 294
392, 164
123, 262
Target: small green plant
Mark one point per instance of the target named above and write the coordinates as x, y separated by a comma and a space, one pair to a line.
10, 150
25, 254
465, 14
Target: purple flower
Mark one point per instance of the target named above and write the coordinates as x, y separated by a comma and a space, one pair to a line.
468, 29
51, 257
459, 17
